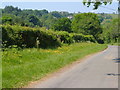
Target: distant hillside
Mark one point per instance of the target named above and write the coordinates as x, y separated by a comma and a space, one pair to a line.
106, 18
41, 18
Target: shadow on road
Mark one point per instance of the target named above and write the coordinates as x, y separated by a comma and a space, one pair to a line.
117, 60
113, 74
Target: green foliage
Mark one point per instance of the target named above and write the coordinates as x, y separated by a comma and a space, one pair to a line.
64, 37
63, 24
56, 14
106, 17
87, 24
83, 38
35, 21
6, 20
11, 9
41, 17
48, 20
111, 32
23, 66
69, 38
26, 36
96, 3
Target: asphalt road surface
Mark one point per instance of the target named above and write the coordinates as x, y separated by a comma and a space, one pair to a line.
97, 71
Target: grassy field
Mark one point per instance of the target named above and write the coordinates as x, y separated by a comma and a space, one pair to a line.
117, 44
23, 66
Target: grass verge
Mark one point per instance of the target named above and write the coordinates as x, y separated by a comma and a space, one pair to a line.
20, 67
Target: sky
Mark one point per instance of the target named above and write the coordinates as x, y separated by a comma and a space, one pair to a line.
45, 0
66, 5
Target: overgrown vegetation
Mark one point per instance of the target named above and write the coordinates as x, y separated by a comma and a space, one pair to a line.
32, 18
85, 23
63, 24
38, 42
111, 32
25, 37
22, 66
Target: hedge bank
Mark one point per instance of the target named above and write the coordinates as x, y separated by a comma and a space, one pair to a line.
39, 37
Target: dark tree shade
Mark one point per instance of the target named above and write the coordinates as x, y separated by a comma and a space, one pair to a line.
56, 14
34, 20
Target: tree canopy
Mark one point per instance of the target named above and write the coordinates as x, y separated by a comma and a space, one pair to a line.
96, 3
35, 21
111, 31
32, 18
63, 24
87, 23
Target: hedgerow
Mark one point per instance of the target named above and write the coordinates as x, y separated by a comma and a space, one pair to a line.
28, 37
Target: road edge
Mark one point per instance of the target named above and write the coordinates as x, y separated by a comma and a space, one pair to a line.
62, 69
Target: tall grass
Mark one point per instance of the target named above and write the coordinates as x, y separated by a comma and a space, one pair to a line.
22, 66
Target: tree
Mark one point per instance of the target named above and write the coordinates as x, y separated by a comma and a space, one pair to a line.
12, 10
37, 13
56, 14
87, 23
44, 11
29, 17
7, 20
96, 3
63, 24
48, 20
33, 19
9, 9
110, 31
